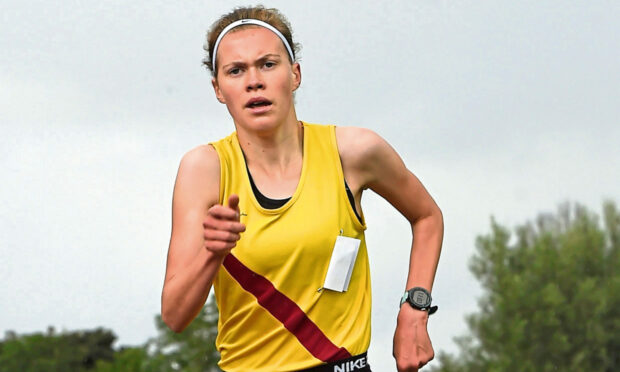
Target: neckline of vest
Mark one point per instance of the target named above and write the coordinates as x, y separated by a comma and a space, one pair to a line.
264, 201
300, 183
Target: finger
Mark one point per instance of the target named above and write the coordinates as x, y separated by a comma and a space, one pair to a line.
219, 247
225, 236
406, 368
223, 213
233, 202
223, 225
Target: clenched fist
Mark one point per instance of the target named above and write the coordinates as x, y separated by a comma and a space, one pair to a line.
222, 228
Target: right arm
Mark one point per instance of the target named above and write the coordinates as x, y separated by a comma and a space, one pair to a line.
203, 233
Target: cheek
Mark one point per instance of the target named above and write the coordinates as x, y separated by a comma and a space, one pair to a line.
230, 94
286, 86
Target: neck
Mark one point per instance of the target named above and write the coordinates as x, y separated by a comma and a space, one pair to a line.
276, 151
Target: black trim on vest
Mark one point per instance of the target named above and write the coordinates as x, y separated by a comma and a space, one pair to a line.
269, 203
264, 201
352, 201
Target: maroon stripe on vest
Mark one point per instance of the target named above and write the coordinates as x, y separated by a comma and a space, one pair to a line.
286, 311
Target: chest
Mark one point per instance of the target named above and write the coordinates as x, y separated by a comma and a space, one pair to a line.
304, 234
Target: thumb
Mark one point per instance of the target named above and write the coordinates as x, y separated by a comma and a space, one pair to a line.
233, 202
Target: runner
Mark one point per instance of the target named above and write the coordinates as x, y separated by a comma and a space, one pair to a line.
270, 216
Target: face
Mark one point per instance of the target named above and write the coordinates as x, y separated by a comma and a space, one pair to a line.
255, 78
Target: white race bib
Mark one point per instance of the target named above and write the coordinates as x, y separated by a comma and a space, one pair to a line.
341, 264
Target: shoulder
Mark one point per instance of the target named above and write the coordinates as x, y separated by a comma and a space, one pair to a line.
347, 135
358, 146
367, 157
199, 174
200, 160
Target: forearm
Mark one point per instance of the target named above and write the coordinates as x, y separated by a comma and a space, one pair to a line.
185, 292
412, 345
425, 250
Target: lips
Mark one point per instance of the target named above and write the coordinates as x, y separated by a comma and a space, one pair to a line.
257, 102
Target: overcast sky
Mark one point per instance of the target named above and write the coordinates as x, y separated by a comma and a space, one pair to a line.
501, 108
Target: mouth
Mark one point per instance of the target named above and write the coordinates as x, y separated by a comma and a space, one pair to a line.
258, 102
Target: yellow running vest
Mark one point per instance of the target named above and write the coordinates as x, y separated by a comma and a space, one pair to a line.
273, 317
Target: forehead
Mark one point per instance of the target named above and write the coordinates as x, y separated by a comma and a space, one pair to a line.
248, 42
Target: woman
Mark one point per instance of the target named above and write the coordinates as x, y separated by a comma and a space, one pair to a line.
265, 214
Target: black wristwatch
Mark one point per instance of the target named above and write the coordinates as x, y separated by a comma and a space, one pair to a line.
419, 298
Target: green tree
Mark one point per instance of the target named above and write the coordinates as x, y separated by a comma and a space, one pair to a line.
193, 349
551, 296
91, 350
67, 351
132, 359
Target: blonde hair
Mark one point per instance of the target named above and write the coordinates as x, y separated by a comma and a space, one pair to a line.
269, 15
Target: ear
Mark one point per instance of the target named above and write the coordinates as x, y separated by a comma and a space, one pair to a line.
218, 92
296, 71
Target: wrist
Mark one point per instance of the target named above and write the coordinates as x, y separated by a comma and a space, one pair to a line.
409, 317
419, 299
410, 311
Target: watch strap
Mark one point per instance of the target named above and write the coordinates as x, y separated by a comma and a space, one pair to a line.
404, 298
431, 309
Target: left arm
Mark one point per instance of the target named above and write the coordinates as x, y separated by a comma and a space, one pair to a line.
370, 162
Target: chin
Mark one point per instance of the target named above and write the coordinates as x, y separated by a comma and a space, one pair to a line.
261, 123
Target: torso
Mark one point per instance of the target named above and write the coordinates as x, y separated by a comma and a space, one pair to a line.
293, 255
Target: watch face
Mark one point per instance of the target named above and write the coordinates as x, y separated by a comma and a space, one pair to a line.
420, 298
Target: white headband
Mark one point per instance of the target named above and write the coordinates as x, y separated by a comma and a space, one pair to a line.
243, 22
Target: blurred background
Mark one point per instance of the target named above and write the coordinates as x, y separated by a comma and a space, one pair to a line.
507, 111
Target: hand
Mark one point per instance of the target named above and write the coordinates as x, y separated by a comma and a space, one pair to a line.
222, 227
412, 346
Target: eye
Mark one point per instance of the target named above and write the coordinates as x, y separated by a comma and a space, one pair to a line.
234, 71
270, 64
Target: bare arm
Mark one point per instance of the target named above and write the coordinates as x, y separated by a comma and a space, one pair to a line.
203, 232
372, 163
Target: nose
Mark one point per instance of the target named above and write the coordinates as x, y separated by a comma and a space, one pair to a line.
255, 80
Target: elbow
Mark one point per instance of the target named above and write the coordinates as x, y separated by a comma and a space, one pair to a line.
172, 318
438, 221
172, 322
431, 220
176, 329
439, 216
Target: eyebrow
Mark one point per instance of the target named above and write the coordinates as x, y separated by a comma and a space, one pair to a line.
271, 55
260, 59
